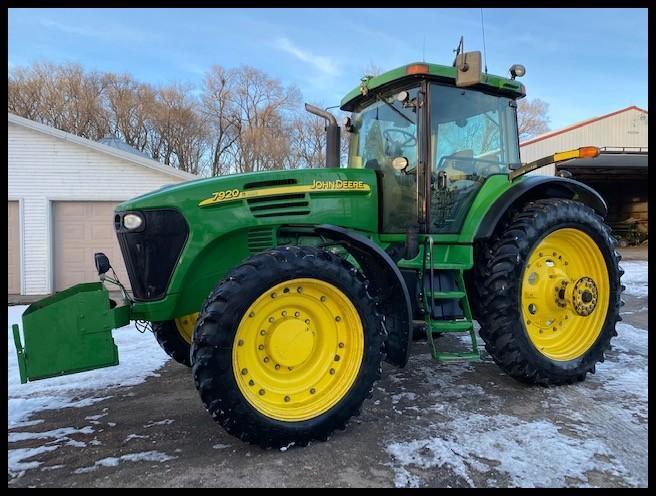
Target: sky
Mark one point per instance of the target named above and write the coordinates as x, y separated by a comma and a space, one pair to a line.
582, 62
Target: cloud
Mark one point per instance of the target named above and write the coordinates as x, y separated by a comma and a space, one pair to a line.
323, 64
113, 32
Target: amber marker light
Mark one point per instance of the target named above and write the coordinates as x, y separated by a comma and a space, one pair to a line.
588, 152
417, 69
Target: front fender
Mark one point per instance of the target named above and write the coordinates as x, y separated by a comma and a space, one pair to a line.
388, 284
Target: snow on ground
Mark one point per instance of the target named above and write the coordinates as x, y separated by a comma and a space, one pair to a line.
139, 354
578, 430
635, 277
146, 456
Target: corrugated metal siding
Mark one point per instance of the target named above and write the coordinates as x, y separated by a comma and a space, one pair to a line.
42, 168
626, 129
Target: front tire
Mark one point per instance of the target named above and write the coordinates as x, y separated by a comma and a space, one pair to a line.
287, 347
550, 284
174, 337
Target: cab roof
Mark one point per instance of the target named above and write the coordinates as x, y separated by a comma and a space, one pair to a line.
497, 84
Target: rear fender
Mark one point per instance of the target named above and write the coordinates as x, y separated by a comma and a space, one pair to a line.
533, 188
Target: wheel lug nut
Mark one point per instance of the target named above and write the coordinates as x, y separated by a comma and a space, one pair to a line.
273, 295
338, 318
266, 359
299, 289
341, 345
337, 358
277, 366
262, 332
284, 313
287, 398
244, 371
332, 371
251, 383
307, 321
297, 314
261, 392
271, 319
240, 342
260, 347
312, 391
251, 315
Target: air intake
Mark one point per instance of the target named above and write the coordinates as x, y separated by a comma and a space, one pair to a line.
260, 239
278, 206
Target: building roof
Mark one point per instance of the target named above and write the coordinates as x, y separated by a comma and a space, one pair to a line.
121, 145
100, 147
576, 125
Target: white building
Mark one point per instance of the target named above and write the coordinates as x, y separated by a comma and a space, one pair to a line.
625, 128
619, 173
62, 190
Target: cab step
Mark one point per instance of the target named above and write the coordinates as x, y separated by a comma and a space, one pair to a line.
453, 356
448, 295
451, 325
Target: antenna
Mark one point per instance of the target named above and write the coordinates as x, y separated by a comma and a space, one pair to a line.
484, 51
458, 49
423, 50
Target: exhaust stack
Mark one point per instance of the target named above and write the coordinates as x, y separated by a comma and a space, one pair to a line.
332, 135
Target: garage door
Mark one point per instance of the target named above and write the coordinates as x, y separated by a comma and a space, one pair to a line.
80, 230
13, 250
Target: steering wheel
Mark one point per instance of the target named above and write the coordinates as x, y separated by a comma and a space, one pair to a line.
410, 139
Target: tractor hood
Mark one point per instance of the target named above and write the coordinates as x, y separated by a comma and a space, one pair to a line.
189, 235
211, 193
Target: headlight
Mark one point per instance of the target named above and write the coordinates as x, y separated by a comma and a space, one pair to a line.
132, 221
517, 70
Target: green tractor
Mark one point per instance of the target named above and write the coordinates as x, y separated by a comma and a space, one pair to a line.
285, 290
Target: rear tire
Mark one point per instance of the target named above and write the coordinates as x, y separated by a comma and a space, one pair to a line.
525, 350
234, 328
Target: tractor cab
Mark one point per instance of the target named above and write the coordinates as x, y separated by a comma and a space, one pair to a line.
432, 140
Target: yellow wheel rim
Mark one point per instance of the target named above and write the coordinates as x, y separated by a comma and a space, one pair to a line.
186, 325
565, 294
298, 349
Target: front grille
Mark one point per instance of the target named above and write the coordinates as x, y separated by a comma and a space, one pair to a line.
150, 255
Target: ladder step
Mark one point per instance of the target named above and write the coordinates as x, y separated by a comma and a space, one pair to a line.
451, 266
470, 356
446, 295
451, 325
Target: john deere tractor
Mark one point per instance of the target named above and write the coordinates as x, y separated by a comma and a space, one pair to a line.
285, 290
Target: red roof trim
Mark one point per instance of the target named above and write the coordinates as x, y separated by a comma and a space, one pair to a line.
580, 124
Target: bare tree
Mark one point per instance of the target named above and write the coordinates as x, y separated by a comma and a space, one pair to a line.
308, 141
179, 131
242, 119
220, 110
372, 69
130, 104
532, 118
263, 105
63, 96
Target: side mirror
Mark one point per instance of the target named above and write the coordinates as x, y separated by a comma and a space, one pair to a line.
102, 263
468, 69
